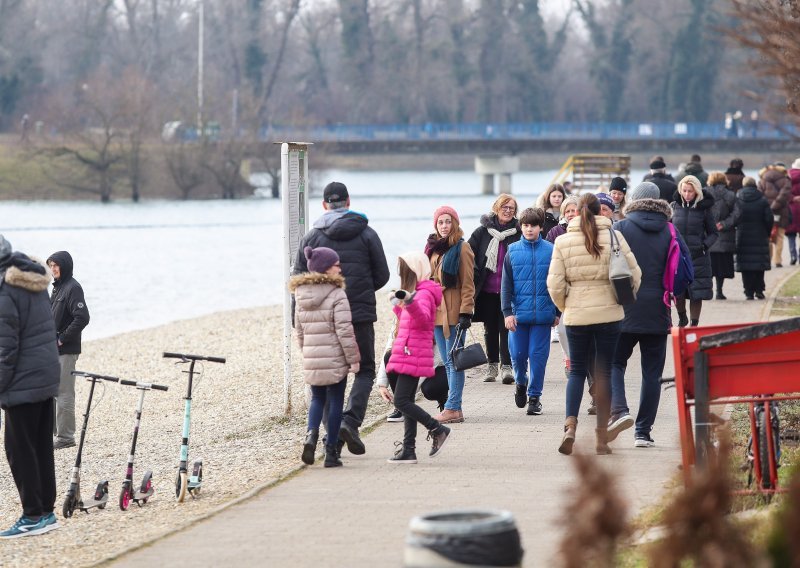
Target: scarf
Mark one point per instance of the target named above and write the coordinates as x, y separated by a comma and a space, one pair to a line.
451, 259
494, 245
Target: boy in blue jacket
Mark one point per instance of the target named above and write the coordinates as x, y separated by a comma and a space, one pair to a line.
528, 310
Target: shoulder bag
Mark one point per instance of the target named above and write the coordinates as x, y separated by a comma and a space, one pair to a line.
619, 273
466, 356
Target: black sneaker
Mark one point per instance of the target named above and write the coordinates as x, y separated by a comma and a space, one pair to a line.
534, 406
618, 423
351, 438
403, 454
760, 295
721, 296
521, 395
644, 441
439, 439
395, 416
683, 319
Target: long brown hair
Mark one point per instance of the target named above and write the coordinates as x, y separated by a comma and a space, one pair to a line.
544, 199
408, 278
455, 232
589, 206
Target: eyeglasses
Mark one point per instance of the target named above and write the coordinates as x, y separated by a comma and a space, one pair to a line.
508, 209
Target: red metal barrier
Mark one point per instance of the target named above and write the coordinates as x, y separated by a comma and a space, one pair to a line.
732, 364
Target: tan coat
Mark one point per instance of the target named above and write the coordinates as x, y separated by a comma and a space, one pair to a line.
578, 283
324, 328
458, 300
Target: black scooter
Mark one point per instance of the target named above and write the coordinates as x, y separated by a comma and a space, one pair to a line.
145, 491
73, 499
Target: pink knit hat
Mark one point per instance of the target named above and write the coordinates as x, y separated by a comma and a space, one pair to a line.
442, 210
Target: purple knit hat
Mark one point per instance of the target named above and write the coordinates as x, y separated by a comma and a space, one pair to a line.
606, 200
320, 259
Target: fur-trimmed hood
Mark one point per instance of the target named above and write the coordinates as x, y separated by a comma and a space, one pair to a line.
311, 278
30, 274
704, 200
649, 205
490, 221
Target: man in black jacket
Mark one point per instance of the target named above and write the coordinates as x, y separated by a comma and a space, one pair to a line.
658, 175
365, 271
28, 382
71, 315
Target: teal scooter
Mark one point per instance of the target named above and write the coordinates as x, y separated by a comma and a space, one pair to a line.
186, 483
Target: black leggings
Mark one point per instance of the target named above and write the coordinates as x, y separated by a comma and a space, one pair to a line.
404, 402
495, 334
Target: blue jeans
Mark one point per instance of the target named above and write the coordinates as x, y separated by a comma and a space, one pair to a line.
580, 337
455, 379
333, 395
531, 342
653, 349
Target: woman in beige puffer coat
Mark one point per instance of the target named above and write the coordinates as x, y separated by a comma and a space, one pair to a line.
325, 334
578, 282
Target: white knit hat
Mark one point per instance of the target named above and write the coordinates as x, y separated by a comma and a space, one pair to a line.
796, 164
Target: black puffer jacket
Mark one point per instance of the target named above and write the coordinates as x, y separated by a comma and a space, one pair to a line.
646, 229
29, 368
752, 232
69, 306
726, 212
695, 223
360, 254
666, 186
479, 242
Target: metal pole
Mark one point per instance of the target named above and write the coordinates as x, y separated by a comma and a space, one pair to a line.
235, 115
287, 298
701, 410
200, 31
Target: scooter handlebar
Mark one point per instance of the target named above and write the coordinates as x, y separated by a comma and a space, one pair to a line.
145, 385
159, 387
95, 376
187, 357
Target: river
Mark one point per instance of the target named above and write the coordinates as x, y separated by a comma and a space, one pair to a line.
154, 262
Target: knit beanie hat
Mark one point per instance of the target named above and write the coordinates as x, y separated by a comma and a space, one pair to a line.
445, 209
605, 199
618, 184
645, 190
657, 165
320, 259
796, 164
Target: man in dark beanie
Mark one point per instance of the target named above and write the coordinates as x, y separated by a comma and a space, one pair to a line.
71, 315
658, 175
365, 271
28, 382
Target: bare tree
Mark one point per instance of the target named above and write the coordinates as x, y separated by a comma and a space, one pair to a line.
185, 164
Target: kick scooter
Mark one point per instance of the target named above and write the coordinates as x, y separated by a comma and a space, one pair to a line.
128, 493
185, 483
73, 499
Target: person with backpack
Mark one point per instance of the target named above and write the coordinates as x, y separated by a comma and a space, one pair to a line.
647, 322
752, 238
693, 218
325, 333
579, 285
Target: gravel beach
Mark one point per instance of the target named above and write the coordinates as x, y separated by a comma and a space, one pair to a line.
238, 429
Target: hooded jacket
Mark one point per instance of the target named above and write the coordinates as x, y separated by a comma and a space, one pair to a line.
324, 328
646, 229
693, 169
524, 293
29, 367
776, 186
412, 349
360, 253
68, 305
725, 211
753, 230
578, 282
695, 222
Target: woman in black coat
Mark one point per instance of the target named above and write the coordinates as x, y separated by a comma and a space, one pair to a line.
726, 216
752, 238
490, 242
692, 217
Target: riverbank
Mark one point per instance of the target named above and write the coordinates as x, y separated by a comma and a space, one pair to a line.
238, 429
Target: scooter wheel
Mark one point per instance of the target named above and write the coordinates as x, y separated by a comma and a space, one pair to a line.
125, 496
69, 506
181, 484
146, 487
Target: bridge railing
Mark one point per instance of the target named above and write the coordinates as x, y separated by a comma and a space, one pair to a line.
526, 131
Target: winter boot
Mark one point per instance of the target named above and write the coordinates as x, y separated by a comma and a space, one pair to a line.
683, 320
601, 447
570, 425
332, 457
695, 323
310, 446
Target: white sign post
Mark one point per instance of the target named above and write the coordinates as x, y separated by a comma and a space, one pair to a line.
294, 196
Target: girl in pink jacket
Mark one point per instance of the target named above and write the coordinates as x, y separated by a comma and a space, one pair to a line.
412, 352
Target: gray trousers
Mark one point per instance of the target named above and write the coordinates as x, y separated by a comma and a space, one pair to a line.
64, 428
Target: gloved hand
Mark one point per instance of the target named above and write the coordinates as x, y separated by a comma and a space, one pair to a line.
464, 321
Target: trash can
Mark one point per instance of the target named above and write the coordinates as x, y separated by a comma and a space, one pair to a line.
469, 537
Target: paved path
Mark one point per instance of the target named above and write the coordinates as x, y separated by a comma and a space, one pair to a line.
499, 458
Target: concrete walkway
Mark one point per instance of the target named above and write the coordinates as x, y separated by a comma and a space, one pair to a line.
499, 458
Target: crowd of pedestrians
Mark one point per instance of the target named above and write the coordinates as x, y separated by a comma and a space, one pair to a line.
534, 276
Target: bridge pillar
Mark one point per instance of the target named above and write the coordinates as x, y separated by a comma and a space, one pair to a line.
490, 166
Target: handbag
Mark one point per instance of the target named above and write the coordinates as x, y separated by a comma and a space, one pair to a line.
619, 273
466, 356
